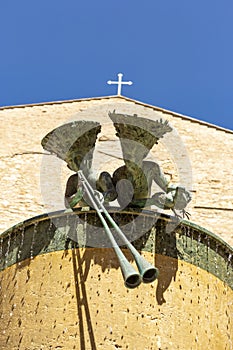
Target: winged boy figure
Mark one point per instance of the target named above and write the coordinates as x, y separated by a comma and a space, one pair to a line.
131, 183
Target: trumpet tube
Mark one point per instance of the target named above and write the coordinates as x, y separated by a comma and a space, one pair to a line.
131, 277
147, 271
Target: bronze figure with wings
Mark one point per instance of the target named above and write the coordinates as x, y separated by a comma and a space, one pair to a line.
131, 183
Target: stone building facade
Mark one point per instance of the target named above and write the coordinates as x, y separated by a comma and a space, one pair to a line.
197, 155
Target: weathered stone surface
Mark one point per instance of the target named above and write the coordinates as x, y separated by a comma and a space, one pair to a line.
68, 304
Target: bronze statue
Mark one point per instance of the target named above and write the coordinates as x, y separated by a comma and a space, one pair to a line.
131, 183
74, 143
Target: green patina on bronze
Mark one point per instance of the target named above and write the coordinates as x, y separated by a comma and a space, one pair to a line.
161, 234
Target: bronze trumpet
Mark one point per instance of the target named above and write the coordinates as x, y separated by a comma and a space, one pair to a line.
147, 272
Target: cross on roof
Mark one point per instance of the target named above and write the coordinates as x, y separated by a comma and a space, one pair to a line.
119, 83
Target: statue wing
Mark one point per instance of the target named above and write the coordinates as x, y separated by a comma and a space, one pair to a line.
73, 142
138, 135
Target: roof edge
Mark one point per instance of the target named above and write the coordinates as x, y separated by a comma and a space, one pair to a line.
159, 109
179, 115
57, 102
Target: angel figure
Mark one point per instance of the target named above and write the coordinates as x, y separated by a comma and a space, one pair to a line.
131, 183
74, 143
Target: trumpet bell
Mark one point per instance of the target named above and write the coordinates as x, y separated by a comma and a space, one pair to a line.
133, 280
148, 272
150, 275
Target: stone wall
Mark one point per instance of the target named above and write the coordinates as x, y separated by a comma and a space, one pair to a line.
32, 182
64, 306
57, 296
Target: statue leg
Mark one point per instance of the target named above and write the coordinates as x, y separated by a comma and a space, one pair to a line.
105, 185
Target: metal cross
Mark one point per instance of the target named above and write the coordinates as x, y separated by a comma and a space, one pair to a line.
119, 83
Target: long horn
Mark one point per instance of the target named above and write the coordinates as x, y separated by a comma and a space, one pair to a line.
131, 277
147, 271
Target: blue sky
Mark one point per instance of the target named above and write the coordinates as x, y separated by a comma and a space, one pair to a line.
179, 54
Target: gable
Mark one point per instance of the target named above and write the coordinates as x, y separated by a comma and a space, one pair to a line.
206, 147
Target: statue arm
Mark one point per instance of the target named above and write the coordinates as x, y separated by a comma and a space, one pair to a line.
159, 177
175, 196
